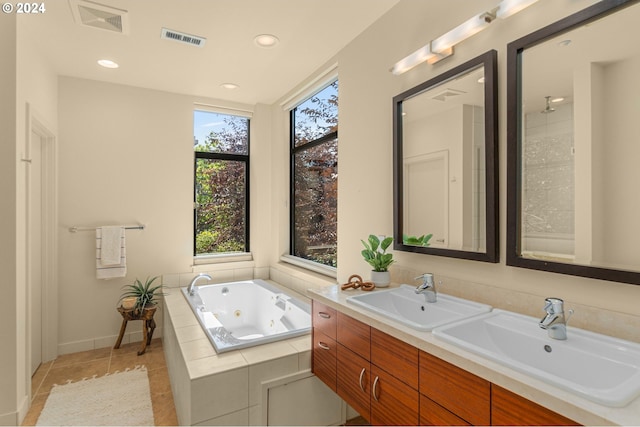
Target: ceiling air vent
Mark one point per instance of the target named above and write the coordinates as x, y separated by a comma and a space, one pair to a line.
183, 37
442, 96
100, 16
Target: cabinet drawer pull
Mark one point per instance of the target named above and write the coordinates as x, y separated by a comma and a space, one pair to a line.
324, 315
373, 388
360, 380
323, 345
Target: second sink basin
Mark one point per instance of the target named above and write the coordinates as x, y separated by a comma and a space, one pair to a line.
403, 305
600, 368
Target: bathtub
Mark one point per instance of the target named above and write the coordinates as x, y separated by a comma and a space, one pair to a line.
244, 314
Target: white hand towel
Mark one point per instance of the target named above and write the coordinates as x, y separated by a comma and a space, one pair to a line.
111, 259
110, 245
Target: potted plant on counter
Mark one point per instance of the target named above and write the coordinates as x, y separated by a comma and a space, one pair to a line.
375, 253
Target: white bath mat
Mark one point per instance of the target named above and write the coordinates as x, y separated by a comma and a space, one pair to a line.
119, 399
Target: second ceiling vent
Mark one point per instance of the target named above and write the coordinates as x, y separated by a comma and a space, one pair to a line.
185, 38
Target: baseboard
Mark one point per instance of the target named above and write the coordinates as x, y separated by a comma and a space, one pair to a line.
23, 409
102, 342
9, 419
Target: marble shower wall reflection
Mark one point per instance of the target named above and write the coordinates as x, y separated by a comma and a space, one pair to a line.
548, 204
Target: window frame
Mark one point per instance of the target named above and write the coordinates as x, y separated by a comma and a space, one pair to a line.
293, 151
244, 158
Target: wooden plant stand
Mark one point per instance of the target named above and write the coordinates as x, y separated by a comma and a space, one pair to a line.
147, 328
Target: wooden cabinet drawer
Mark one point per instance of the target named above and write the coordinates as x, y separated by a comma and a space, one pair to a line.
354, 380
455, 389
508, 408
392, 401
324, 319
324, 358
394, 356
354, 335
432, 414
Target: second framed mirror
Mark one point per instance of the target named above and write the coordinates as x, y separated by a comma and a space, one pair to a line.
445, 145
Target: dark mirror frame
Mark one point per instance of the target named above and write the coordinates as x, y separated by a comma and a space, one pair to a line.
489, 61
514, 148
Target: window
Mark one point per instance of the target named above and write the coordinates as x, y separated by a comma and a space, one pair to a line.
221, 145
314, 177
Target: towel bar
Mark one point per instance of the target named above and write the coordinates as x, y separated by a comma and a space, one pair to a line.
126, 227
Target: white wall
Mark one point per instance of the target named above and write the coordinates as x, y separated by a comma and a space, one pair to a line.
25, 78
8, 255
621, 173
126, 157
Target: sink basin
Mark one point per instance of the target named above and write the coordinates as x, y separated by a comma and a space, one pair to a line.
403, 305
600, 368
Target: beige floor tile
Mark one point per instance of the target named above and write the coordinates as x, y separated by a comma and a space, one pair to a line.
86, 364
84, 356
62, 375
162, 398
37, 404
38, 377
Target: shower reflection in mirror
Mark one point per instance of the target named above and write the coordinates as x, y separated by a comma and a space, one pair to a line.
548, 209
573, 146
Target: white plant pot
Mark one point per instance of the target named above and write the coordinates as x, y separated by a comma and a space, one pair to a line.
381, 278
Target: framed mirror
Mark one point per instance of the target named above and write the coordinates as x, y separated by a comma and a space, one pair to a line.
445, 163
573, 145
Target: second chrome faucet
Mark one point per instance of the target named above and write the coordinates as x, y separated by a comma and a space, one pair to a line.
555, 321
428, 287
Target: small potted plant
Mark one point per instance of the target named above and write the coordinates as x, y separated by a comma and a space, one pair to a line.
139, 297
374, 253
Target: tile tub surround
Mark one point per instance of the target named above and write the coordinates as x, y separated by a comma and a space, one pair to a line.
226, 388
563, 402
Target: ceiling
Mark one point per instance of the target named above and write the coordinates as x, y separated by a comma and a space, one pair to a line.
310, 33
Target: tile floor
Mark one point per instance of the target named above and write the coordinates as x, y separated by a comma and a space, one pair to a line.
86, 364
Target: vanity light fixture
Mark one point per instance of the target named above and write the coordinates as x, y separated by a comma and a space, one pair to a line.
463, 31
442, 46
506, 8
107, 63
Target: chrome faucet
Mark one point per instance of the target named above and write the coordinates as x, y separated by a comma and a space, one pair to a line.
428, 287
191, 289
555, 322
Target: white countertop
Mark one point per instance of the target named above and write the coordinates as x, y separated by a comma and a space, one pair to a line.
561, 401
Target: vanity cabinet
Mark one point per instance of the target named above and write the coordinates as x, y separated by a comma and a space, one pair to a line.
376, 373
324, 365
508, 408
390, 382
465, 395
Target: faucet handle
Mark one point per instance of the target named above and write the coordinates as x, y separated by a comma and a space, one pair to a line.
553, 305
426, 277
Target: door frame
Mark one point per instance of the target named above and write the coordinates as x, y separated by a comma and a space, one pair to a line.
35, 124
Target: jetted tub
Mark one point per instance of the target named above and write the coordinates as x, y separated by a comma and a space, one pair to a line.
244, 314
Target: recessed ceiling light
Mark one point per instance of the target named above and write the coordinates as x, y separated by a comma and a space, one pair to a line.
107, 63
229, 86
557, 99
481, 80
266, 40
564, 43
